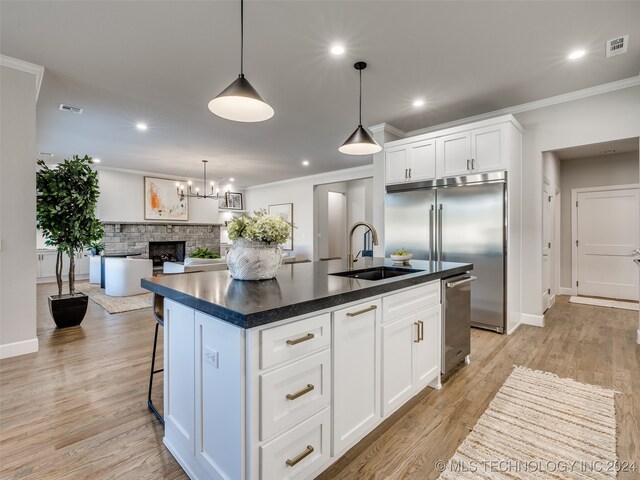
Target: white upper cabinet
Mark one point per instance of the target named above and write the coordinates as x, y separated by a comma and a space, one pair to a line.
411, 163
488, 149
422, 160
476, 148
396, 165
454, 154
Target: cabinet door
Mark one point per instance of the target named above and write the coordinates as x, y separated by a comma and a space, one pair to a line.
487, 149
82, 263
47, 264
396, 165
422, 160
426, 352
453, 154
179, 378
356, 373
397, 360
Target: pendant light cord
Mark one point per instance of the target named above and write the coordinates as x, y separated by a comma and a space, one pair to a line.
241, 38
360, 100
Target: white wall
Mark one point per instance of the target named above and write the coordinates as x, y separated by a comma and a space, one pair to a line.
619, 169
122, 199
600, 118
322, 218
358, 194
300, 192
18, 94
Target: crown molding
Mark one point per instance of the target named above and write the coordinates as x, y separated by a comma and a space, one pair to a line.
17, 64
387, 127
545, 102
366, 169
166, 176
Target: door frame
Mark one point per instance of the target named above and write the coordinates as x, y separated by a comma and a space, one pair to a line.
574, 224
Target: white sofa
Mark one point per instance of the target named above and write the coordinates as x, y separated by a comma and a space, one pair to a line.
122, 275
95, 269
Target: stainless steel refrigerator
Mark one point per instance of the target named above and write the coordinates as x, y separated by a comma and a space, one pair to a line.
461, 219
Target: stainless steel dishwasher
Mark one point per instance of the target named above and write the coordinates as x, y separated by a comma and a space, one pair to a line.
456, 320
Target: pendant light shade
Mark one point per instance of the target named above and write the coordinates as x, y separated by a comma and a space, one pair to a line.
360, 142
241, 102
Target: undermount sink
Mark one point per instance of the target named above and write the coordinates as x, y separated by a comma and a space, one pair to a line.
376, 273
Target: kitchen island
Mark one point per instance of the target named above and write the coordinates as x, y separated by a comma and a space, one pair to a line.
278, 378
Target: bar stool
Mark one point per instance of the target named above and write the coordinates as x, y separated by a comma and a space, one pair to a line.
158, 313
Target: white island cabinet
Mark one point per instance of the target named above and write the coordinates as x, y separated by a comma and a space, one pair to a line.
286, 399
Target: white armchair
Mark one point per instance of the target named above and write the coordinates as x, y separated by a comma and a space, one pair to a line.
123, 275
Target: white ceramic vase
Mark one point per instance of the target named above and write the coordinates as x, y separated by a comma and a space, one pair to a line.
251, 260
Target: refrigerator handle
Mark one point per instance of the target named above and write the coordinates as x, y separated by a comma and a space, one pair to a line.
431, 232
439, 230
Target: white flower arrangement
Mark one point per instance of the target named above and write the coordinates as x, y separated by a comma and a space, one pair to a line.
260, 227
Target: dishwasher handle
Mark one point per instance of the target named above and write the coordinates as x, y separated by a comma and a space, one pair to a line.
464, 281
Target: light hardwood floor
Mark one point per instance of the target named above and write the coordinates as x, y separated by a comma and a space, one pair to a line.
77, 409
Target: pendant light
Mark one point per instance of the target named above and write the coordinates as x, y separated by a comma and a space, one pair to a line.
360, 142
241, 102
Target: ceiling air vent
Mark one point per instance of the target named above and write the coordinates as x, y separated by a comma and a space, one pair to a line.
71, 109
617, 46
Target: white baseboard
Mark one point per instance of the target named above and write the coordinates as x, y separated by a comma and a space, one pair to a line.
534, 320
511, 330
18, 348
79, 278
565, 291
552, 300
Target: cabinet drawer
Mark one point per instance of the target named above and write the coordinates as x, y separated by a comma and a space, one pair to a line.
292, 393
400, 305
294, 340
298, 453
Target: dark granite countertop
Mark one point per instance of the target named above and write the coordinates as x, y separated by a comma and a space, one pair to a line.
298, 289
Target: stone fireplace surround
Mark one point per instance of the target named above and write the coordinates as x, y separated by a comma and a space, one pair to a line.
134, 237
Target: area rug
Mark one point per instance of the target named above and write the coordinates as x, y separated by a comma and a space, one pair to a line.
115, 304
603, 302
540, 426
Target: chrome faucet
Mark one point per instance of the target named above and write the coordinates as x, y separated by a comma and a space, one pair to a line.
374, 235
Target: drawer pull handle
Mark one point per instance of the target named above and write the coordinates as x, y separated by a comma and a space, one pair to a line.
421, 330
417, 340
308, 336
304, 391
300, 457
360, 312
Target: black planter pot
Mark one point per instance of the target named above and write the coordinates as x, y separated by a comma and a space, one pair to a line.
68, 311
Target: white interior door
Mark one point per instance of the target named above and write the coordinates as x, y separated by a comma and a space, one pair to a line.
547, 235
608, 228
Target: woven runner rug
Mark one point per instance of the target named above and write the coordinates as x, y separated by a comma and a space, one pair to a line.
540, 426
115, 304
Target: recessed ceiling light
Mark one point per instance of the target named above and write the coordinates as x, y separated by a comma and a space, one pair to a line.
96, 160
46, 154
305, 163
576, 54
418, 102
337, 49
141, 126
232, 179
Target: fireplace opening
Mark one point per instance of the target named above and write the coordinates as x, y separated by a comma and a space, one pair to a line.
161, 252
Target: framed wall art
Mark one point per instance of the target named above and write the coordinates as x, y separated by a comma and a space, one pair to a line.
162, 202
285, 211
231, 201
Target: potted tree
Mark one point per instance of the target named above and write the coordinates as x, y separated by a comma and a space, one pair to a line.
65, 213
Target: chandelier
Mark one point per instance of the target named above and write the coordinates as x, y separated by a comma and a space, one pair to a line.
195, 193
